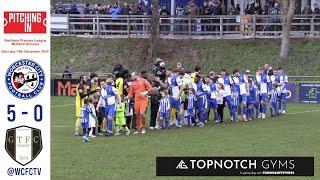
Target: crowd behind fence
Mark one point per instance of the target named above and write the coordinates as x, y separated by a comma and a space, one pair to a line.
76, 75
223, 26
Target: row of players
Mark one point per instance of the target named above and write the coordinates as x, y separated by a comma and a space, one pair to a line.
246, 97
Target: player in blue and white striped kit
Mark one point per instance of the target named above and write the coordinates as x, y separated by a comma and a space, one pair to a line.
211, 98
226, 82
164, 113
274, 100
174, 96
251, 100
235, 102
202, 103
191, 121
257, 102
111, 96
262, 80
283, 90
85, 114
241, 83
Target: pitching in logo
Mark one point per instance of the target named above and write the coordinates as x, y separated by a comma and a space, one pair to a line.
25, 22
25, 79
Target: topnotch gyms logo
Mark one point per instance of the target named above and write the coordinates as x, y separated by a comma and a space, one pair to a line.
25, 79
23, 144
235, 166
25, 22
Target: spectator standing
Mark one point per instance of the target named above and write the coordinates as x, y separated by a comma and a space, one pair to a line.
160, 69
232, 11
307, 10
87, 9
115, 11
118, 70
67, 74
73, 10
192, 10
180, 13
134, 11
257, 11
125, 10
316, 10
61, 9
216, 11
206, 10
164, 13
275, 12
146, 10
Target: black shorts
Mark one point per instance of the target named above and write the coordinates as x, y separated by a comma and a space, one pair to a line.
101, 113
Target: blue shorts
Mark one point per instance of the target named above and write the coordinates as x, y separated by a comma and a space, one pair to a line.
165, 115
212, 103
257, 105
85, 125
196, 104
283, 96
202, 103
274, 104
250, 100
110, 110
191, 112
242, 98
229, 101
175, 103
264, 97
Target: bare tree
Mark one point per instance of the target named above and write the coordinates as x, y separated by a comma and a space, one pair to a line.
287, 11
154, 25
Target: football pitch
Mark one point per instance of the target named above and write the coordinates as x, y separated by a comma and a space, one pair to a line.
134, 157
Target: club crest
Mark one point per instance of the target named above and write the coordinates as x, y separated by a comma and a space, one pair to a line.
23, 144
25, 79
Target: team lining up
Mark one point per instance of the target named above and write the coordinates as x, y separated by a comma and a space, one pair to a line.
186, 100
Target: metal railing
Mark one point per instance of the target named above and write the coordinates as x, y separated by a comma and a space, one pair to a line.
76, 75
189, 27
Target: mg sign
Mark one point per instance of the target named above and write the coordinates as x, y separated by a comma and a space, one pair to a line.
64, 87
23, 144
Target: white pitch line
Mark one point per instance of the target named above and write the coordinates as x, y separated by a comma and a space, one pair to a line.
62, 105
314, 110
59, 126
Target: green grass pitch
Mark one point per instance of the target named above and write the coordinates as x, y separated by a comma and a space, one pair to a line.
133, 157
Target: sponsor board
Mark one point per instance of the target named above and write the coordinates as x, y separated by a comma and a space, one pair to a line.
235, 166
309, 92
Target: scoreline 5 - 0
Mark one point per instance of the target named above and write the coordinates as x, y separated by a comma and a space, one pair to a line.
37, 112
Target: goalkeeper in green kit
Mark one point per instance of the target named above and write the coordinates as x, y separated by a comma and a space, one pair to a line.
121, 119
